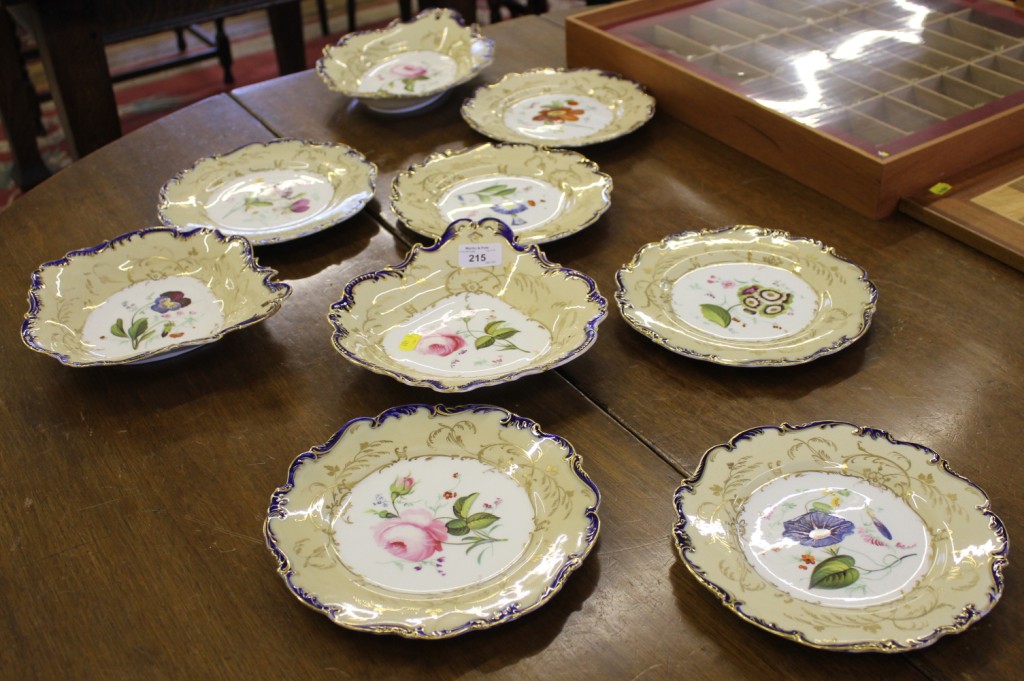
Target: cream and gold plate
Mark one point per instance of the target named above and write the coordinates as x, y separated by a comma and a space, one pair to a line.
841, 537
428, 522
270, 192
542, 194
406, 67
474, 309
745, 296
555, 107
147, 295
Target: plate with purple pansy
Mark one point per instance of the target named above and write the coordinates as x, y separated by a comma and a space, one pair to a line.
430, 521
147, 295
841, 537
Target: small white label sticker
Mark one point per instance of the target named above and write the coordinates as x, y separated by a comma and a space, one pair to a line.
479, 255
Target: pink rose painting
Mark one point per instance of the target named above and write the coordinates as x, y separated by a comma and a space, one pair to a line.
409, 74
441, 344
414, 535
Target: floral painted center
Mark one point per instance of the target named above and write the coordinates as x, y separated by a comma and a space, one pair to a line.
470, 334
559, 116
410, 74
520, 202
747, 301
834, 539
152, 315
269, 200
433, 523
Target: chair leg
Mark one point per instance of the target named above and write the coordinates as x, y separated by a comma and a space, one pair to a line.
19, 109
321, 10
180, 35
286, 28
224, 51
405, 9
351, 9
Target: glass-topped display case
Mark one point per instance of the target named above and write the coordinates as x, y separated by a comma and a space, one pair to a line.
893, 94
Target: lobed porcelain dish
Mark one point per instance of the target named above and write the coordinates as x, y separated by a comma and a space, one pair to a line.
430, 522
146, 295
406, 67
541, 194
746, 296
841, 537
270, 192
555, 107
472, 310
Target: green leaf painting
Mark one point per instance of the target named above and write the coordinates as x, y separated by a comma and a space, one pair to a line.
718, 315
494, 333
834, 573
463, 504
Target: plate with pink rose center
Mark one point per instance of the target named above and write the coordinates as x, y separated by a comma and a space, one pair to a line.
270, 192
474, 309
429, 522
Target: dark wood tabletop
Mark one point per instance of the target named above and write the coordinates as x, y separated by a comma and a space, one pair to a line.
135, 496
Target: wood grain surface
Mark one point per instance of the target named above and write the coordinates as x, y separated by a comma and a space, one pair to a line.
135, 496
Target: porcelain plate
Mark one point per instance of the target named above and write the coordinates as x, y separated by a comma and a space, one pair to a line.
428, 522
746, 296
541, 194
841, 537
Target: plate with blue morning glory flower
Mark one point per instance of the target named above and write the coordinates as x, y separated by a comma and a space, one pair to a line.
841, 537
541, 194
431, 521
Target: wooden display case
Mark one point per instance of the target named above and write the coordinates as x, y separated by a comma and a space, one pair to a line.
866, 101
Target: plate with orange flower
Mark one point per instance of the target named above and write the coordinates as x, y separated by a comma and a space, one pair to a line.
554, 107
431, 521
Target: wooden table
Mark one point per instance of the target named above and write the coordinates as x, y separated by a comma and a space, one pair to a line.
135, 496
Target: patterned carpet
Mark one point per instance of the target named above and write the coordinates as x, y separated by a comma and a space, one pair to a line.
143, 100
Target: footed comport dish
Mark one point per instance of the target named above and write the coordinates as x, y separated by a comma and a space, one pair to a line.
429, 522
474, 309
147, 295
408, 66
841, 537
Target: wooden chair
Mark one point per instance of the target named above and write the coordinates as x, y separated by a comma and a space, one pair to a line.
72, 34
467, 8
515, 8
